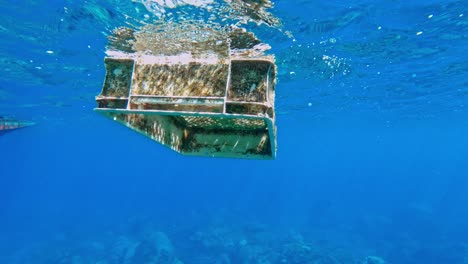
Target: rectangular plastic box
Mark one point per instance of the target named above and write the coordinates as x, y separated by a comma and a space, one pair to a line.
216, 108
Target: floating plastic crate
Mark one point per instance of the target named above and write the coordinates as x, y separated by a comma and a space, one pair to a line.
217, 108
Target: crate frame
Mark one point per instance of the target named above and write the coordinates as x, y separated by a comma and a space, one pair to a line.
167, 110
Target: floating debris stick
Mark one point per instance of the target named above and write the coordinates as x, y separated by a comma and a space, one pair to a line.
8, 124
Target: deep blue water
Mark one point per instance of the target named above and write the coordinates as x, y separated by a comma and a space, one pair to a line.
372, 155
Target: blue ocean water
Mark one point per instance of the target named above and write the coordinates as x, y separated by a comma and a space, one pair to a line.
372, 159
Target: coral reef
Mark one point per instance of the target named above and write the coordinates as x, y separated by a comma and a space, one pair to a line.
155, 248
374, 260
258, 246
218, 243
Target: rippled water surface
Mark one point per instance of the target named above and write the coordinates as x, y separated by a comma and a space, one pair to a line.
405, 59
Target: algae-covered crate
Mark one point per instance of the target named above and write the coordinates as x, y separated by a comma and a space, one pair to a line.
219, 108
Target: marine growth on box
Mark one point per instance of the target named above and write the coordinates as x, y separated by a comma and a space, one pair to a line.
200, 89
